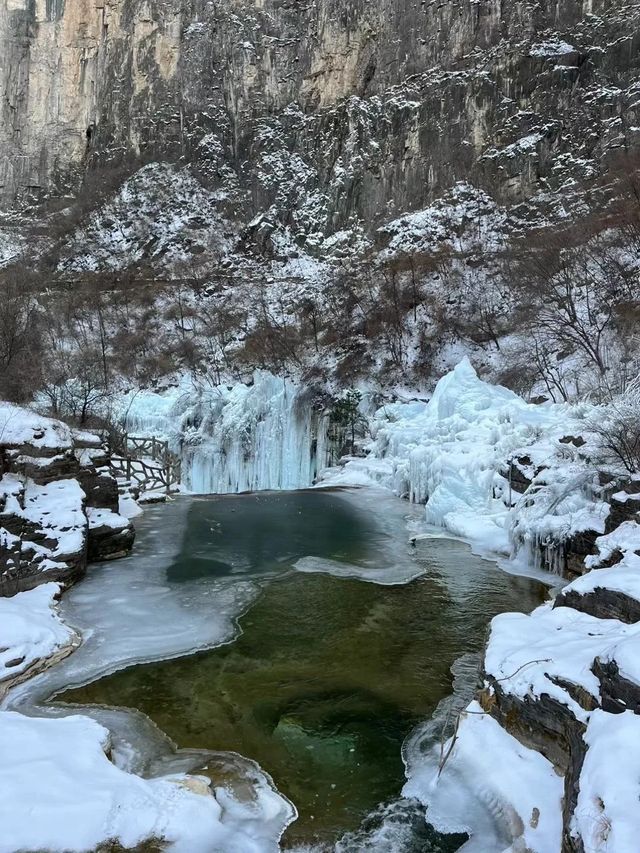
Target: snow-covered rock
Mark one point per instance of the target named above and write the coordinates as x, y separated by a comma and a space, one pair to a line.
551, 652
62, 793
57, 501
31, 632
21, 427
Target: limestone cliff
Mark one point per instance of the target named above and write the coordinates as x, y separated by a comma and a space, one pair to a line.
331, 110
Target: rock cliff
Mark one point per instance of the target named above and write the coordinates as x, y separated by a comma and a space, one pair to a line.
331, 111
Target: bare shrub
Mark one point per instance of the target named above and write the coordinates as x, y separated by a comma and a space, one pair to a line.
617, 427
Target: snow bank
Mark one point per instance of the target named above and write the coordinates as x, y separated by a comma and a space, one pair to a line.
607, 816
54, 520
507, 797
57, 509
100, 517
20, 426
623, 577
30, 630
625, 539
61, 793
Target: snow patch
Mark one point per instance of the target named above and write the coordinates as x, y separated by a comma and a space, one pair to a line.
30, 630
506, 797
61, 793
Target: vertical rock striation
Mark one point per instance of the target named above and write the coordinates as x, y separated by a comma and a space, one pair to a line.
328, 110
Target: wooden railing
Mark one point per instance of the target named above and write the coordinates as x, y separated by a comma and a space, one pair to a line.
138, 445
166, 475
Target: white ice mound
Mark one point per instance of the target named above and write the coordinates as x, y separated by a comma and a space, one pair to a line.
463, 395
448, 452
61, 793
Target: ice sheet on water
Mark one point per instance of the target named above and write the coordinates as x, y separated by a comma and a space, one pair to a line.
380, 574
392, 559
128, 612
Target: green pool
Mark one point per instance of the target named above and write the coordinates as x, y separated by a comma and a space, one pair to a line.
328, 675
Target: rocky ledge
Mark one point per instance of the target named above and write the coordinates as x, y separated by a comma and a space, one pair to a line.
552, 742
58, 502
564, 681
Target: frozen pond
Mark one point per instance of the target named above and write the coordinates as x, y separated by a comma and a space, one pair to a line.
298, 629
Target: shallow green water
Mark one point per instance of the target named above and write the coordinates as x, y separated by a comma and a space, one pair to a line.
329, 675
267, 531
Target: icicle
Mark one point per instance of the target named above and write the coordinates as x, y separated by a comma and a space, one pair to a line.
240, 438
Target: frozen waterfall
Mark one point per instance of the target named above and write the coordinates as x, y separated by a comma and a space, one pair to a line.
267, 435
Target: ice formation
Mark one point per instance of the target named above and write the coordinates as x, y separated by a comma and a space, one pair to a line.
128, 611
450, 454
238, 438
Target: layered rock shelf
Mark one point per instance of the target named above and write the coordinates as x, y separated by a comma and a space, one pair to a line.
58, 502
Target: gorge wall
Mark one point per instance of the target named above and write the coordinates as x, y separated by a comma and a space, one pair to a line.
328, 110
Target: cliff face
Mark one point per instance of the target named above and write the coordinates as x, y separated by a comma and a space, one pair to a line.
329, 110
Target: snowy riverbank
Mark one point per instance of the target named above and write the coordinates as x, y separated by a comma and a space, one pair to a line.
65, 782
